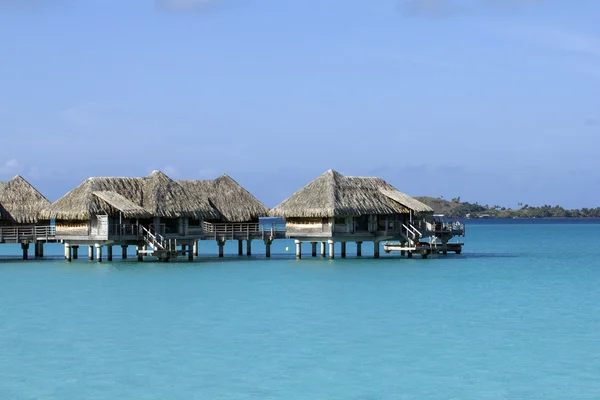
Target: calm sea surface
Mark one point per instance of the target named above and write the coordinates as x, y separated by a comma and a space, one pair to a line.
516, 316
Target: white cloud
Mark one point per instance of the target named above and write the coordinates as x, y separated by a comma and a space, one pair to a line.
9, 167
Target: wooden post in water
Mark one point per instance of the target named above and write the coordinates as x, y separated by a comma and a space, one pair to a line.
331, 249
313, 246
25, 248
268, 247
221, 243
323, 249
409, 255
196, 243
109, 253
298, 249
90, 253
375, 249
98, 247
140, 255
41, 249
68, 252
249, 247
190, 252
75, 251
240, 247
358, 249
343, 249
124, 251
36, 250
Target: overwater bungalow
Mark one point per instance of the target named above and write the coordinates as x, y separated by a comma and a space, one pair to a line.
239, 212
20, 207
151, 211
336, 208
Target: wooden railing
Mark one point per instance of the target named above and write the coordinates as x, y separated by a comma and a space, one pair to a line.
123, 230
27, 232
235, 230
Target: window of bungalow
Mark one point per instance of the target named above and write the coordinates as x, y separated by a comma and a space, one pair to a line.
171, 225
340, 220
361, 223
381, 222
194, 222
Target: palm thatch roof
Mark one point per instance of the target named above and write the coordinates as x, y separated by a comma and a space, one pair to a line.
128, 208
335, 195
20, 202
157, 194
234, 203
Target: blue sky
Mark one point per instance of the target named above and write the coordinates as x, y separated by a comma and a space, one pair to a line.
496, 101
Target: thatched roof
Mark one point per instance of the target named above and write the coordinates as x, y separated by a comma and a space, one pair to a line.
20, 202
234, 203
404, 199
157, 194
128, 208
335, 195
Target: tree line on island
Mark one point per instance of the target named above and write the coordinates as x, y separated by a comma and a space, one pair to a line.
455, 208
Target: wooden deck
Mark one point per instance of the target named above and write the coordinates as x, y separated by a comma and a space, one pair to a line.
243, 231
423, 248
20, 234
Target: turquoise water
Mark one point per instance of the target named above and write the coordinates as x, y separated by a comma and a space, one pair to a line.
516, 316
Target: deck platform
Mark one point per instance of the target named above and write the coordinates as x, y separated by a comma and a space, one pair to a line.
423, 248
27, 234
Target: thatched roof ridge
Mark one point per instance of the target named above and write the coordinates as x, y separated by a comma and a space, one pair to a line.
335, 195
229, 198
157, 194
20, 202
128, 208
406, 200
166, 198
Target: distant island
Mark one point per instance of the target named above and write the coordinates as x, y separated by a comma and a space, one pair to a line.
455, 208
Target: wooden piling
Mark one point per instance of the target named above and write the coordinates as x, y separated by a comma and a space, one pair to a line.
67, 252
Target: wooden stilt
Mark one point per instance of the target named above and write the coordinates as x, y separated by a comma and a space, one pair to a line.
109, 253
323, 249
67, 252
298, 249
313, 249
140, 255
343, 249
249, 247
240, 247
375, 249
331, 249
124, 251
25, 248
98, 247
358, 249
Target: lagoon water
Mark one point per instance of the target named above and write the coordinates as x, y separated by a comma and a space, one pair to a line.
516, 316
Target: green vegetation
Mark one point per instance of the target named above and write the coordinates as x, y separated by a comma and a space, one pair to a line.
456, 209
